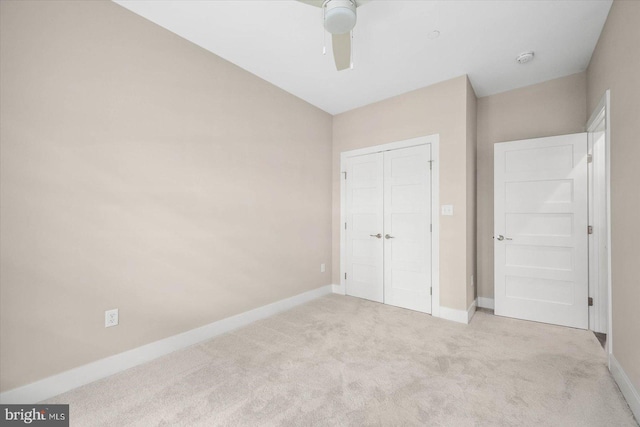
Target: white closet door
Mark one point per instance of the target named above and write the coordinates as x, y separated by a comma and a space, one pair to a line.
365, 227
407, 233
541, 265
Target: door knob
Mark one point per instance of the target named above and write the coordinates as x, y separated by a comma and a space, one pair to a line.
386, 236
379, 236
501, 238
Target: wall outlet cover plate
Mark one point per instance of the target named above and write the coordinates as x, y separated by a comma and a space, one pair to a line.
111, 318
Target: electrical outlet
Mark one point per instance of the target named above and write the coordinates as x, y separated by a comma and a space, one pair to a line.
322, 268
111, 318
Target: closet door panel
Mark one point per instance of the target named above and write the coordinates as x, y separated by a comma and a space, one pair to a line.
407, 228
364, 198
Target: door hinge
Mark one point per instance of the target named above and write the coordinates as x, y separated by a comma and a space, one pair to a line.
589, 229
345, 175
590, 302
430, 164
430, 291
431, 228
345, 225
589, 158
345, 276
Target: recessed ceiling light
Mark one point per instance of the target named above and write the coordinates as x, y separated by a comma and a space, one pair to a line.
525, 57
433, 34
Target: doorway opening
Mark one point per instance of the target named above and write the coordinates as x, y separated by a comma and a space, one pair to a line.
600, 224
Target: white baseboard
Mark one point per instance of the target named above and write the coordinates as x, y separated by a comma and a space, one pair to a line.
471, 310
486, 303
460, 316
626, 386
339, 289
65, 381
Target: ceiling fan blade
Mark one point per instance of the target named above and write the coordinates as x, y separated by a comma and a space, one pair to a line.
316, 3
342, 50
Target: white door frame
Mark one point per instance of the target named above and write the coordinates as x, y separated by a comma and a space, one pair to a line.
434, 140
603, 112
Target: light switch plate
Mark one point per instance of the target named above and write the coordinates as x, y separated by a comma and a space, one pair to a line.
447, 210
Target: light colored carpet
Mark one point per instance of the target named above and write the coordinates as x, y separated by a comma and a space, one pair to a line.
345, 361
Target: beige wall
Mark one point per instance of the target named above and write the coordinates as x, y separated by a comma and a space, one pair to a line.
440, 109
141, 172
555, 107
471, 210
614, 67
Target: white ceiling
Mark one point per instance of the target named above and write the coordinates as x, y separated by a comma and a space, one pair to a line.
281, 42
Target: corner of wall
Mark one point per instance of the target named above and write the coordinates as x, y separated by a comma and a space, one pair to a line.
471, 211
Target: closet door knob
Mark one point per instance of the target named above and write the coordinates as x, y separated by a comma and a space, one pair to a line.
376, 235
387, 236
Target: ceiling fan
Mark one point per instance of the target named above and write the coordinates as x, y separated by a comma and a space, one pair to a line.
339, 20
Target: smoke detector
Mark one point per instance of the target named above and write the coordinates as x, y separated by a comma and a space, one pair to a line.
525, 57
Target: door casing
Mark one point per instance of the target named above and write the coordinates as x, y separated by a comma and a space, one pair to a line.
602, 113
434, 140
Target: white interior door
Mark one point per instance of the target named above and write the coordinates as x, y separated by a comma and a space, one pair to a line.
407, 233
364, 199
540, 226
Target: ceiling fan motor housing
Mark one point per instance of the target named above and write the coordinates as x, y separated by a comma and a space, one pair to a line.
339, 16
